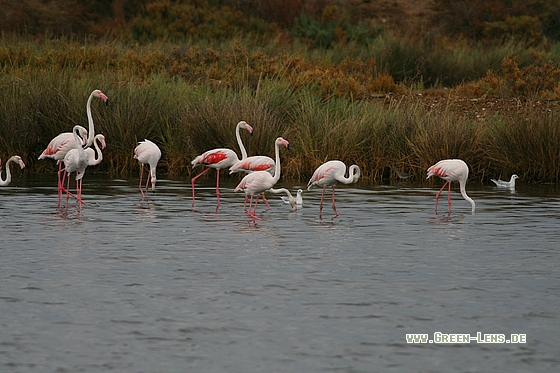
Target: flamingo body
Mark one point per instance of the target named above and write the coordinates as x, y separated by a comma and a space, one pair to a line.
451, 170
62, 143
254, 163
147, 153
506, 184
14, 159
76, 160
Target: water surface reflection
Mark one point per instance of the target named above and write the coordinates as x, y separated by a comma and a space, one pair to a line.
129, 285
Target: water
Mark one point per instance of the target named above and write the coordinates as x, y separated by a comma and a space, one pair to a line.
128, 286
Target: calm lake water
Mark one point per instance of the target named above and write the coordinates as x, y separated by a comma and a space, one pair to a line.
129, 286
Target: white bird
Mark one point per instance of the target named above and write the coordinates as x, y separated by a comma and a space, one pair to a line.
506, 184
76, 160
451, 170
329, 174
147, 153
17, 159
289, 197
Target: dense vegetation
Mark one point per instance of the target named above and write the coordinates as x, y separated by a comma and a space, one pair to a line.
334, 83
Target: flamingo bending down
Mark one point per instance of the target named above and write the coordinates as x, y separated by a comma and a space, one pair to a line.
258, 182
328, 174
252, 164
147, 153
16, 159
451, 170
96, 156
506, 184
288, 198
220, 158
76, 160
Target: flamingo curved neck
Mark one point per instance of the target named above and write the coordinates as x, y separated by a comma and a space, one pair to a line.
240, 142
8, 179
465, 196
95, 157
353, 175
276, 175
91, 132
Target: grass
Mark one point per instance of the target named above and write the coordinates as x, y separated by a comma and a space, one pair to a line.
188, 99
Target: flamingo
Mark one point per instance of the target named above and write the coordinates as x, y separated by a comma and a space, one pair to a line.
252, 164
506, 184
220, 158
147, 153
14, 159
64, 142
451, 170
258, 182
75, 160
288, 198
328, 174
57, 149
96, 156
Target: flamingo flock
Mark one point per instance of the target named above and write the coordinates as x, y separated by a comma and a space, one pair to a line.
75, 151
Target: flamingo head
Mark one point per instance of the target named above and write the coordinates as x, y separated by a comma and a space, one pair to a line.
281, 141
19, 161
82, 132
101, 139
153, 179
245, 126
97, 93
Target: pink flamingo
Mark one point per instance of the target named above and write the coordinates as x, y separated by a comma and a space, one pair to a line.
328, 174
76, 160
220, 158
57, 149
61, 144
451, 170
252, 164
147, 153
258, 182
14, 159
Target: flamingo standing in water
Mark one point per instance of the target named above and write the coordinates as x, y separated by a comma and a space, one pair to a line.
252, 164
76, 160
451, 170
62, 143
57, 149
220, 158
147, 153
328, 174
14, 159
258, 182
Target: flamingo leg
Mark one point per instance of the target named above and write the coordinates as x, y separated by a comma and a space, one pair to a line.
333, 207
321, 203
449, 197
61, 183
218, 188
141, 175
254, 213
265, 201
438, 193
193, 180
147, 182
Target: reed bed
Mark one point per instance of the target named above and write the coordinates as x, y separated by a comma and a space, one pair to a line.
188, 100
